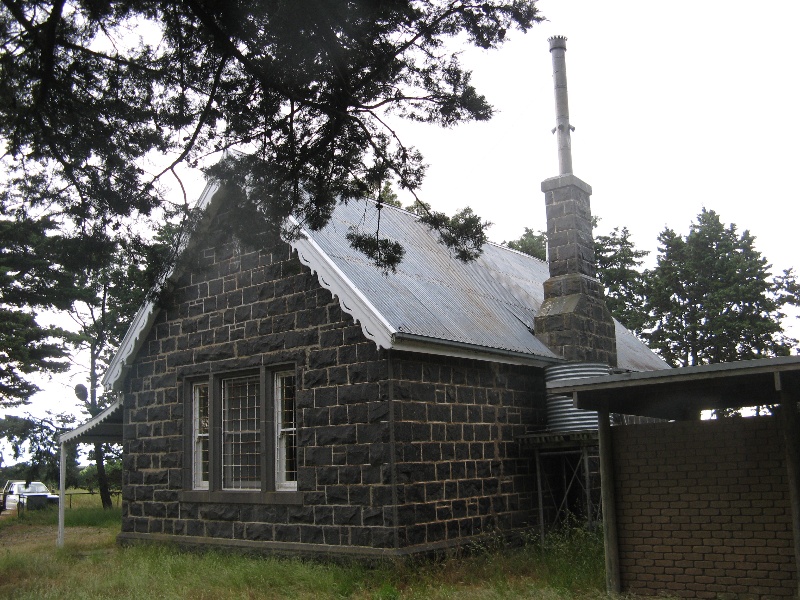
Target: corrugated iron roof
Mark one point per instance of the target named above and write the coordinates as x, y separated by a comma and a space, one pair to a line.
488, 303
434, 302
485, 303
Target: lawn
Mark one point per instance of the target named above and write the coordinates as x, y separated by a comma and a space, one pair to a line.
91, 565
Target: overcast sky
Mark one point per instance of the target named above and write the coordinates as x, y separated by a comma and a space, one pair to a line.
676, 106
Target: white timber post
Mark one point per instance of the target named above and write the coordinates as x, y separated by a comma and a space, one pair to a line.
62, 478
607, 479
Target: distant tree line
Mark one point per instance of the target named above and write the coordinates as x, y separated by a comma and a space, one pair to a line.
711, 297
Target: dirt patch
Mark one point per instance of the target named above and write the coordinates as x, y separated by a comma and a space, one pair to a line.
24, 535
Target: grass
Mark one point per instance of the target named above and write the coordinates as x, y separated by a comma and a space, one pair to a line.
91, 565
86, 511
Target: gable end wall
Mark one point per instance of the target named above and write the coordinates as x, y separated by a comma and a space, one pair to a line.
396, 452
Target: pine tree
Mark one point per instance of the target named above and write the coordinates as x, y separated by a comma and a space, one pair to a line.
531, 243
37, 266
619, 270
711, 298
296, 92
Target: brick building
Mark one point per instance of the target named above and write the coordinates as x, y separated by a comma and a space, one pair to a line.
700, 508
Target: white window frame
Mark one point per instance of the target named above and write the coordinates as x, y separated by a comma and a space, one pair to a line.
199, 438
285, 432
262, 423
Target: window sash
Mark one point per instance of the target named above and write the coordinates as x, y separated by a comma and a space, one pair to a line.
241, 433
200, 410
285, 432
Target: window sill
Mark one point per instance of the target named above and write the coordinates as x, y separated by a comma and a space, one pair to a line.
232, 497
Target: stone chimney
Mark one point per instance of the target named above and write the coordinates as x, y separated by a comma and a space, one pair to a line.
574, 320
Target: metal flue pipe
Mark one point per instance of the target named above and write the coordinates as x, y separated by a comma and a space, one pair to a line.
558, 49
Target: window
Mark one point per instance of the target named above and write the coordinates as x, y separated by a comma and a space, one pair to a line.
244, 432
241, 434
286, 433
200, 411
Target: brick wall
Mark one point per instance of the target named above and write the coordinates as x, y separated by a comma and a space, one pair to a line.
703, 509
396, 451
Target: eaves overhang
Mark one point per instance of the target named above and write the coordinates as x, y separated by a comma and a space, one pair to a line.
681, 393
105, 427
351, 299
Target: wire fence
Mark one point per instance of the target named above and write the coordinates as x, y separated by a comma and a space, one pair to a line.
36, 502
115, 494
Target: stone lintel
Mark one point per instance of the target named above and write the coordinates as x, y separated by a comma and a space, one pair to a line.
554, 183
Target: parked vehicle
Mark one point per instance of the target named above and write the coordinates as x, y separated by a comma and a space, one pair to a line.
17, 495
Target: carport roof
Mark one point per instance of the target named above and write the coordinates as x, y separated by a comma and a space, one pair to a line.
682, 393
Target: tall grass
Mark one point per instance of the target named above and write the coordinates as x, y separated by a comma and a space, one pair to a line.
571, 559
567, 565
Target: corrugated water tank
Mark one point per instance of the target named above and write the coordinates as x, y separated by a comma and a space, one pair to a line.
561, 414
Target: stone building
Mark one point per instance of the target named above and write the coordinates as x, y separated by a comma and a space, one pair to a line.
296, 398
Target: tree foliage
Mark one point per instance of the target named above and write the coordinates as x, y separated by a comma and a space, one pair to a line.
464, 233
302, 90
297, 97
711, 298
37, 438
388, 196
114, 283
36, 265
88, 478
531, 243
619, 270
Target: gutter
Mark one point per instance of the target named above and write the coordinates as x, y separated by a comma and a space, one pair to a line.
411, 342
